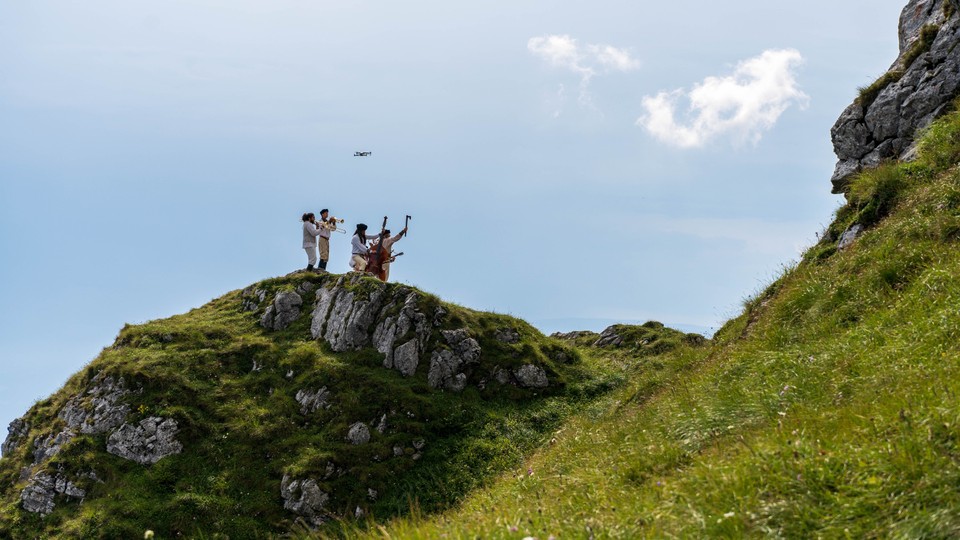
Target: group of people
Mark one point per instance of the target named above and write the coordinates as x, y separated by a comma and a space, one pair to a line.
377, 248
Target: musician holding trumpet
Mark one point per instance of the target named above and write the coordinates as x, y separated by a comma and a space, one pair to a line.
327, 224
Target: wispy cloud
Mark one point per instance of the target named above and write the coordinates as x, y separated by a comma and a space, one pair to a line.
741, 106
586, 60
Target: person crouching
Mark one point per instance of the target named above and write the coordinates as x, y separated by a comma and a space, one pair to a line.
358, 258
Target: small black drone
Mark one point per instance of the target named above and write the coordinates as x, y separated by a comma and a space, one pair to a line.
362, 154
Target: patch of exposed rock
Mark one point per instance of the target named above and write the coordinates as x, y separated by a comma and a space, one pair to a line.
304, 497
448, 366
531, 376
359, 433
146, 443
609, 337
507, 335
252, 298
310, 401
284, 309
920, 88
100, 408
570, 336
38, 496
848, 236
410, 327
17, 433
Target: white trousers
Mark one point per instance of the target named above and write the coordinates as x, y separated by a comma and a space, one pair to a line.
358, 263
311, 255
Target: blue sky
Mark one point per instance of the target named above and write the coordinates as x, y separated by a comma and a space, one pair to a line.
573, 164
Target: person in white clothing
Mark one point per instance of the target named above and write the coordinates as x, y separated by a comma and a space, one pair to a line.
311, 230
359, 249
323, 239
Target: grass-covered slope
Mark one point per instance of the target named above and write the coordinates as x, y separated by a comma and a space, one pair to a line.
231, 386
829, 408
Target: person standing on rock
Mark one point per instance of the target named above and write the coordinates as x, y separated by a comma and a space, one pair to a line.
323, 239
388, 243
311, 230
359, 249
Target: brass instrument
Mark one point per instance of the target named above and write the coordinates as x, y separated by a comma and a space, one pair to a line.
331, 225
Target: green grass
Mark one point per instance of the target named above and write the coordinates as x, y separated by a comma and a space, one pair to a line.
243, 430
828, 408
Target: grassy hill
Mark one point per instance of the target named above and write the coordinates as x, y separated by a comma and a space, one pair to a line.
828, 408
233, 387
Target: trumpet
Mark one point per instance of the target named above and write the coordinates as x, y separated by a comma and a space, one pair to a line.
334, 220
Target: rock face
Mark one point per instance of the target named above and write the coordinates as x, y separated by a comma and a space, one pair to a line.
38, 496
148, 442
848, 236
304, 497
920, 86
352, 319
507, 335
284, 310
16, 433
447, 366
100, 410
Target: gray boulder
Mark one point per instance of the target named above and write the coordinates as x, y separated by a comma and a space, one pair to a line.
45, 448
507, 335
343, 315
252, 298
391, 329
38, 495
99, 409
359, 433
284, 310
447, 366
311, 401
305, 498
148, 442
531, 376
609, 338
849, 235
17, 433
920, 89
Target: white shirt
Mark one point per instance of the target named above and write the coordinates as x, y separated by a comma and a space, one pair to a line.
358, 247
310, 233
325, 229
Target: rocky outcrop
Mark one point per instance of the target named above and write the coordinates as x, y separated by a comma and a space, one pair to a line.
918, 88
146, 443
38, 496
531, 376
17, 433
507, 335
609, 338
252, 298
352, 314
100, 408
448, 366
304, 497
310, 401
284, 310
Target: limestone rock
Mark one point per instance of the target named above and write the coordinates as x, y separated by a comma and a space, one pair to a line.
17, 432
45, 448
252, 298
305, 287
884, 128
99, 409
570, 336
311, 401
359, 433
849, 235
507, 335
609, 337
284, 310
447, 366
38, 496
531, 376
406, 357
304, 497
148, 442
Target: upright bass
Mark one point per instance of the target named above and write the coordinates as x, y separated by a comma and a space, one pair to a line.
377, 256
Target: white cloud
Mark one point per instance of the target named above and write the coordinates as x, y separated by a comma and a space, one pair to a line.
742, 105
586, 61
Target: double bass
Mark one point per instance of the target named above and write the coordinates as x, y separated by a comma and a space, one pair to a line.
379, 256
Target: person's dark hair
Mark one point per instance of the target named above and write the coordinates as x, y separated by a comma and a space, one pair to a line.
362, 232
307, 216
324, 211
386, 232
